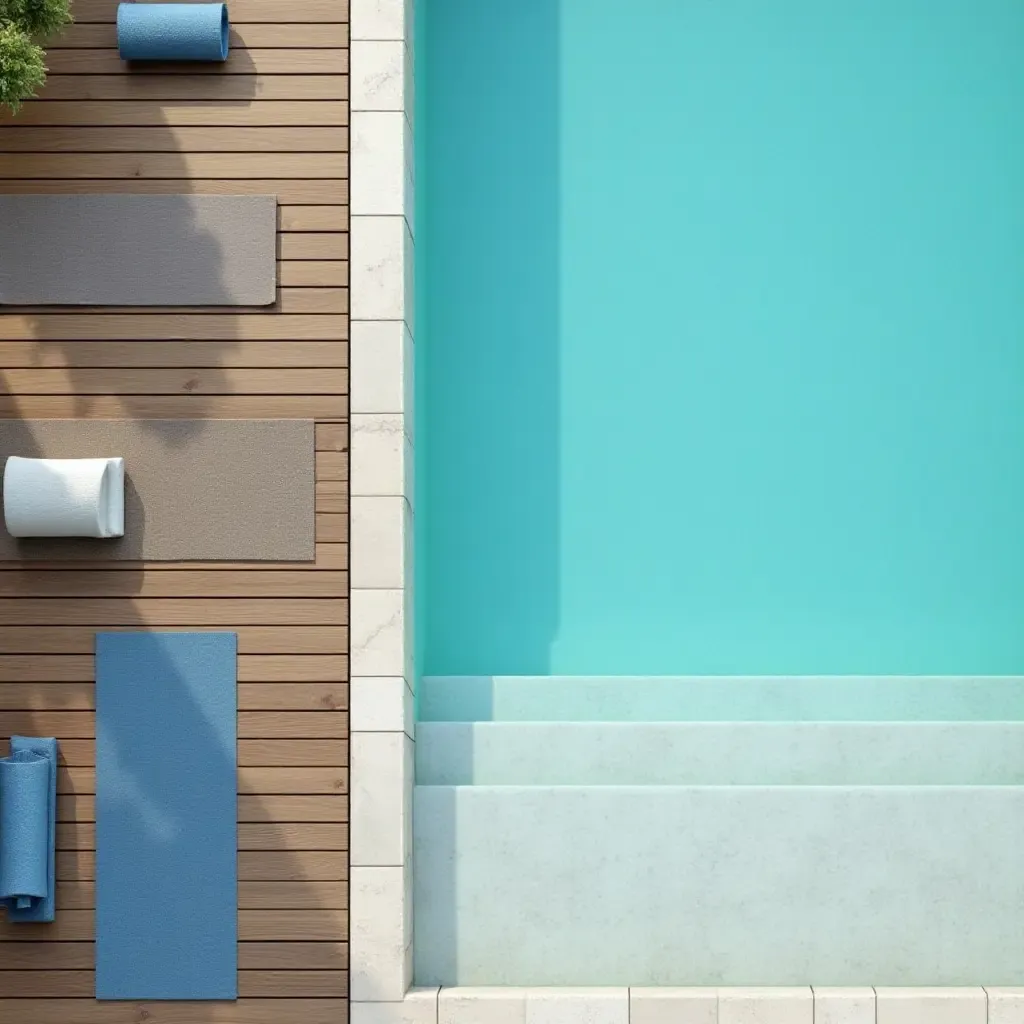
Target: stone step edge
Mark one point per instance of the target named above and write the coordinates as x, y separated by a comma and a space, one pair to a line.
618, 1005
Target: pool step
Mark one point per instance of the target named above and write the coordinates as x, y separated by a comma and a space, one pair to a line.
719, 753
729, 885
724, 698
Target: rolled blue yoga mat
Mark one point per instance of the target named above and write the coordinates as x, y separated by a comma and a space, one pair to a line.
28, 815
187, 32
166, 812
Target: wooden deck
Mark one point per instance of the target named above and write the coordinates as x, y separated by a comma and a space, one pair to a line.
273, 120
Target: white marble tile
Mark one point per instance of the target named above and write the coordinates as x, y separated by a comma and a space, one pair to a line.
380, 19
379, 546
844, 1006
379, 453
378, 939
1005, 1005
380, 778
379, 168
418, 1007
931, 1006
380, 367
377, 632
765, 1006
380, 704
377, 76
673, 1006
380, 249
577, 1006
410, 176
482, 1006
409, 772
409, 268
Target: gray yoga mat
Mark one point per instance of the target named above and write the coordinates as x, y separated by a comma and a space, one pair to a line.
227, 490
133, 250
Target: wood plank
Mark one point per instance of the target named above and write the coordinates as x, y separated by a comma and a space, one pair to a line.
244, 1011
331, 528
297, 725
81, 640
326, 556
263, 808
270, 113
175, 407
207, 88
313, 218
247, 62
243, 35
186, 327
253, 866
251, 697
294, 192
319, 272
261, 753
288, 300
292, 955
252, 956
189, 354
252, 668
312, 246
304, 895
56, 984
190, 381
81, 835
169, 139
173, 165
332, 437
212, 583
309, 781
242, 11
253, 925
190, 611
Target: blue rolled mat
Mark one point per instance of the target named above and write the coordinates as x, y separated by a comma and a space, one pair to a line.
190, 32
166, 812
28, 817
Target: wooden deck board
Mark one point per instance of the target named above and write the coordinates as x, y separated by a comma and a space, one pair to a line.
273, 120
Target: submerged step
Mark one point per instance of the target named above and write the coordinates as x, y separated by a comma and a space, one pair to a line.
719, 753
675, 886
721, 698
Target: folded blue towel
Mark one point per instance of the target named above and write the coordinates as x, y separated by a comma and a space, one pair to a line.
28, 824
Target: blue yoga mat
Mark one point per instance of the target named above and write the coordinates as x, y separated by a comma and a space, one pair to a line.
28, 816
189, 32
166, 806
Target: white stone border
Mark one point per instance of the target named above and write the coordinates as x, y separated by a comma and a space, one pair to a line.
383, 677
698, 1006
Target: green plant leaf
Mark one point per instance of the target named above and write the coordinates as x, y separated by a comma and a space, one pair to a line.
22, 67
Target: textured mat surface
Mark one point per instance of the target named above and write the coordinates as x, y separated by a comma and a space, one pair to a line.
235, 490
130, 250
166, 807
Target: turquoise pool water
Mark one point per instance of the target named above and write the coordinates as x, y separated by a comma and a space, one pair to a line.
720, 337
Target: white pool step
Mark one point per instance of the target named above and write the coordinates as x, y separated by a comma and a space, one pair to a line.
726, 698
719, 753
726, 885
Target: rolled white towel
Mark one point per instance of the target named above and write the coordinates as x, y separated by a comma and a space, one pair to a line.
64, 497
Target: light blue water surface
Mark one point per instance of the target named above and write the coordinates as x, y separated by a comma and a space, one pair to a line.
720, 340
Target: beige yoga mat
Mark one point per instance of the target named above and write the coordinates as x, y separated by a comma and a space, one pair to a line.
218, 490
135, 250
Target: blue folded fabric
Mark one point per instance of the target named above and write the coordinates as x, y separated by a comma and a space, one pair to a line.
28, 823
189, 32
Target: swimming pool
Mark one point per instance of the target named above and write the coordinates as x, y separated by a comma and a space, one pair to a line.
719, 559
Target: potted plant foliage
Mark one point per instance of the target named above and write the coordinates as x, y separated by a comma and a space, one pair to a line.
24, 24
